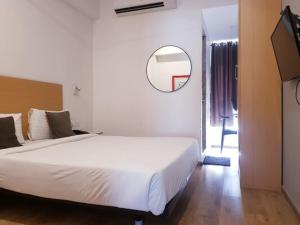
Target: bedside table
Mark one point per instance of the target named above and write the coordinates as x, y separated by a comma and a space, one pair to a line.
79, 132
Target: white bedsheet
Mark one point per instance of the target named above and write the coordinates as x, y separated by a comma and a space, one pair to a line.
126, 172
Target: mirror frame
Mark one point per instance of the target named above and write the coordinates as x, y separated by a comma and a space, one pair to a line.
151, 57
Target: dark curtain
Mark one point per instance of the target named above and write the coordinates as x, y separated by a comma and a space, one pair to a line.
223, 81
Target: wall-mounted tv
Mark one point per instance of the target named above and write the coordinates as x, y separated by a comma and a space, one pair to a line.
286, 44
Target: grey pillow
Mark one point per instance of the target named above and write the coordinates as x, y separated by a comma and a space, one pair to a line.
8, 138
60, 124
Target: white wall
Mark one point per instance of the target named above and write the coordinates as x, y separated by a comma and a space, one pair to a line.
291, 132
225, 28
49, 41
124, 101
89, 8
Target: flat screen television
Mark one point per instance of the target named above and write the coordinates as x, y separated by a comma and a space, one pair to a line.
286, 44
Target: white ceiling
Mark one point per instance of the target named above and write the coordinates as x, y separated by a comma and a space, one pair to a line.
89, 8
221, 23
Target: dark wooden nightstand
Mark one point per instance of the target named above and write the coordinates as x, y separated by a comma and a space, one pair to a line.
79, 132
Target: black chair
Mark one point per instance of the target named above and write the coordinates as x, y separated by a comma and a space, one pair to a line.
226, 131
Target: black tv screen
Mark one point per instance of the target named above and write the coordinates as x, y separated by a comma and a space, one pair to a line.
286, 44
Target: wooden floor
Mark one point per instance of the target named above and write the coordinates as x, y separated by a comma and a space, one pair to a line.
212, 198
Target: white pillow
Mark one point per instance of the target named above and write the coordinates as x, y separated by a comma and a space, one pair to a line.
38, 125
18, 125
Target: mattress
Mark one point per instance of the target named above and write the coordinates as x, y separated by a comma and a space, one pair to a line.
136, 173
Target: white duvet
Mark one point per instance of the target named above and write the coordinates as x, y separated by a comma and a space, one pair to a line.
127, 172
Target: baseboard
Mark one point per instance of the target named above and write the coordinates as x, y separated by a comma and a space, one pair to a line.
286, 195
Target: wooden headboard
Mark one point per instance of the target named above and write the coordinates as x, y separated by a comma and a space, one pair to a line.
19, 95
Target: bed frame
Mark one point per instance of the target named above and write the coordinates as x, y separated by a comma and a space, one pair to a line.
171, 212
19, 95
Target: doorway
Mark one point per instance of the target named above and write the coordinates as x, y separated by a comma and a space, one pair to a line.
219, 75
204, 96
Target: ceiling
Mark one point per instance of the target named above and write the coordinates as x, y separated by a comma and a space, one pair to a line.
89, 8
221, 23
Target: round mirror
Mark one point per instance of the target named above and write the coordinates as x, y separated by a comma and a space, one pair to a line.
169, 68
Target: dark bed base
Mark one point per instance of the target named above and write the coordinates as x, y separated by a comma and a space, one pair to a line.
169, 216
138, 216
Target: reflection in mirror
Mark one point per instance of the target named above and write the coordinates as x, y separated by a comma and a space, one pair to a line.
169, 68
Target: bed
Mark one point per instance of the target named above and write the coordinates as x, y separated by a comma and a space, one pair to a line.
141, 174
135, 173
